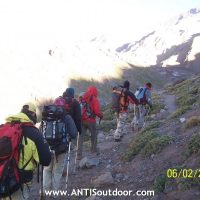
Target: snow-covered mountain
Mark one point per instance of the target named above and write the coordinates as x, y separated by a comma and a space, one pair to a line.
175, 42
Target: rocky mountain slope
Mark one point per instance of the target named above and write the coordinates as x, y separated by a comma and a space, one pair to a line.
174, 43
163, 157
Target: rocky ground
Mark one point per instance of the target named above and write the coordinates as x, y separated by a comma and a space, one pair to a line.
109, 171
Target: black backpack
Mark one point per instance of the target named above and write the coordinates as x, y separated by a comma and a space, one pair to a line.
54, 128
52, 112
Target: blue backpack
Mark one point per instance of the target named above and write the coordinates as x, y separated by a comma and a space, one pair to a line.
140, 95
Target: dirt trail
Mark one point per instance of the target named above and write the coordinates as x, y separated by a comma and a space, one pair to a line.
169, 101
110, 161
110, 155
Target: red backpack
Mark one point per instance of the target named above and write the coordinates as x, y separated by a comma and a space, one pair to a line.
86, 108
10, 145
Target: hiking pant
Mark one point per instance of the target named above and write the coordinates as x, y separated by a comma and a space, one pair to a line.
139, 114
91, 126
19, 195
121, 122
53, 173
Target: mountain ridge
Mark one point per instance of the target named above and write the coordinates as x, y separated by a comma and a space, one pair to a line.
148, 51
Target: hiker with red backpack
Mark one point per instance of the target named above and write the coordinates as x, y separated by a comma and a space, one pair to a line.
143, 94
22, 147
90, 110
121, 97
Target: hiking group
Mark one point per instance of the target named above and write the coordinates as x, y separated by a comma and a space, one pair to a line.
121, 97
25, 148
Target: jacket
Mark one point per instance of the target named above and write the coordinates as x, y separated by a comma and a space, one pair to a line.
91, 97
35, 148
75, 113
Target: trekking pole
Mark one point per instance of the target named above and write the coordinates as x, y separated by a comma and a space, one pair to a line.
77, 147
68, 161
64, 173
42, 192
38, 173
100, 120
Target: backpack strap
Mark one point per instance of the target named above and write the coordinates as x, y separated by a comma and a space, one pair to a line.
123, 95
21, 146
27, 163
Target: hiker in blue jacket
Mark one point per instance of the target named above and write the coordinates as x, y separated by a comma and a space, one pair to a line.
144, 97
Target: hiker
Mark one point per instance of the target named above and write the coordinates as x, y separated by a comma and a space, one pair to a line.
125, 97
143, 94
90, 110
73, 107
58, 128
32, 148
